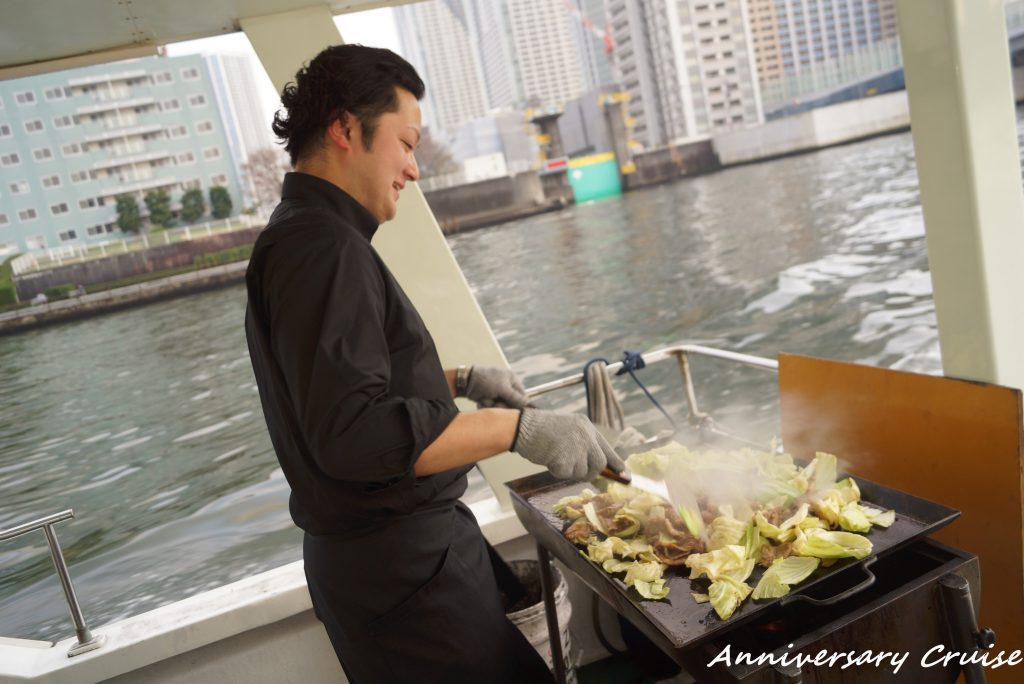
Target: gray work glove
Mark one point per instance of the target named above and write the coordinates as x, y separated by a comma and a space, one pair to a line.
566, 444
493, 387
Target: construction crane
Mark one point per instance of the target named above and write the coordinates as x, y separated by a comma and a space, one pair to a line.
604, 35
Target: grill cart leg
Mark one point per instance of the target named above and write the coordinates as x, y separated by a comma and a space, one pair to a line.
787, 674
967, 638
547, 587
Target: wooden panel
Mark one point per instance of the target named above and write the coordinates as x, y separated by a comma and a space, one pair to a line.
955, 442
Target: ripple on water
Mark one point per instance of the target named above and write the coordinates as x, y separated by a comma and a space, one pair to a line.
134, 442
96, 438
209, 429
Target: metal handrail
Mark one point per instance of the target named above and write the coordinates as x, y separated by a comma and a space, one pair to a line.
681, 353
86, 640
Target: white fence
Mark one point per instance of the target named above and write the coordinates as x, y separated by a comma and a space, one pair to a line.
69, 254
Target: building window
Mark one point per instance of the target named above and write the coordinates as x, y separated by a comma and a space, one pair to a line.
4, 220
186, 158
56, 93
33, 126
204, 127
197, 100
64, 121
79, 176
25, 98
42, 154
190, 74
11, 159
90, 203
193, 184
26, 215
220, 179
211, 153
171, 105
68, 235
5, 131
59, 208
162, 78
51, 182
94, 230
19, 187
178, 132
71, 150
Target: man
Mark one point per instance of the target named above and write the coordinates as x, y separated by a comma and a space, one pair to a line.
359, 410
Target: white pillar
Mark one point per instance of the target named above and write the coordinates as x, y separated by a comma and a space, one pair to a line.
957, 68
412, 244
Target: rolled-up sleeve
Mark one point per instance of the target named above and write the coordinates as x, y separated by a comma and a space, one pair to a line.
328, 315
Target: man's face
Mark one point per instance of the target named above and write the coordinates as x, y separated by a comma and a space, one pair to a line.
383, 170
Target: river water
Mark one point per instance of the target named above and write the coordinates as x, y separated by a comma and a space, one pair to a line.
147, 422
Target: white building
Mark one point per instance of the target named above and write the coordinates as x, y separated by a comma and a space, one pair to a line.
438, 38
549, 64
246, 126
688, 66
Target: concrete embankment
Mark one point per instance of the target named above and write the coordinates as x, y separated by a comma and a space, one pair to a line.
121, 298
818, 128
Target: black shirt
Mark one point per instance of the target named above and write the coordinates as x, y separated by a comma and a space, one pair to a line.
350, 382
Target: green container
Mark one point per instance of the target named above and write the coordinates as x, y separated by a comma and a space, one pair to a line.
594, 177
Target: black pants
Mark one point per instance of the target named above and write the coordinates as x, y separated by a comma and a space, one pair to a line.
418, 603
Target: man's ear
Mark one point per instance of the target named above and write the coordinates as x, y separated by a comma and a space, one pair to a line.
340, 131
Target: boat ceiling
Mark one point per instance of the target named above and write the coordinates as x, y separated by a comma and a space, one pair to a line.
46, 35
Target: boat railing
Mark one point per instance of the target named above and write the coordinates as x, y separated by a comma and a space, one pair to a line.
86, 640
682, 354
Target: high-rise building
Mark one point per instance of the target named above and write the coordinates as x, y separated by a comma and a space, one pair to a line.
439, 39
72, 141
794, 37
246, 125
593, 44
688, 66
481, 55
549, 64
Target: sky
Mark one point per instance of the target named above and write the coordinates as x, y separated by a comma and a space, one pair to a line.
375, 28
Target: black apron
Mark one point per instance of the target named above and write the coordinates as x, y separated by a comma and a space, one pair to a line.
433, 616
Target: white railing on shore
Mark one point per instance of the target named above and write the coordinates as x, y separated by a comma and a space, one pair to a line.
63, 255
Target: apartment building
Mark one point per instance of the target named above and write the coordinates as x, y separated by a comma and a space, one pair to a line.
72, 141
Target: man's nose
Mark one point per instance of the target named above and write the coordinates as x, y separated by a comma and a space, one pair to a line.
412, 169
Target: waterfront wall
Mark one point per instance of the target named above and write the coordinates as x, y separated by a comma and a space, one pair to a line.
120, 266
670, 162
489, 201
815, 129
122, 298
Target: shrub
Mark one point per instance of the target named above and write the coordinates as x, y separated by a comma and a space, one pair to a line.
58, 291
225, 256
8, 293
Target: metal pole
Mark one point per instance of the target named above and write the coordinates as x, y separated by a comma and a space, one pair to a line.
547, 587
86, 641
963, 626
81, 630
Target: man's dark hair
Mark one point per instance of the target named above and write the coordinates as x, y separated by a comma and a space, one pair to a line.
342, 78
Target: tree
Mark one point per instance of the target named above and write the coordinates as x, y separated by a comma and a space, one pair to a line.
433, 158
193, 206
220, 202
264, 171
129, 218
158, 202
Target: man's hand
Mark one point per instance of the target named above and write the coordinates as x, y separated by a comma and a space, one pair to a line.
566, 444
492, 388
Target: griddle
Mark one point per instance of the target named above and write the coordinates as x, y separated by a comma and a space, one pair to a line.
684, 622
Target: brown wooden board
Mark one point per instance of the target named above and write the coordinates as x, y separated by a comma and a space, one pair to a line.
951, 441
